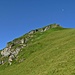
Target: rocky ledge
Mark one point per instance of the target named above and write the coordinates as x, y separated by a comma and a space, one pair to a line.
14, 47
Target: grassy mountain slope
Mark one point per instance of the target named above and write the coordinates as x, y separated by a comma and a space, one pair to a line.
48, 53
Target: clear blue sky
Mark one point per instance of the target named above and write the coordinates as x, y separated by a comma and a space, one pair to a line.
17, 17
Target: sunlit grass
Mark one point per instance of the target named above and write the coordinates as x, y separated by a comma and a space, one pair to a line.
50, 53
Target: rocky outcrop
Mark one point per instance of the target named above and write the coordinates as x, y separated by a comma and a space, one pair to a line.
45, 28
14, 47
10, 59
5, 52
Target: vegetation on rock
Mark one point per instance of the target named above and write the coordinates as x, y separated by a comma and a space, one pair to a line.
46, 51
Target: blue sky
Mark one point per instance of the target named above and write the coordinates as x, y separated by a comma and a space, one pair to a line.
17, 17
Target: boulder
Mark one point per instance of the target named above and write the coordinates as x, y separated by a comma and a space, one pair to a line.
11, 58
41, 30
46, 28
22, 41
6, 52
32, 32
26, 40
16, 51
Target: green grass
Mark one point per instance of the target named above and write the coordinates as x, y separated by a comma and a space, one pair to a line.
50, 53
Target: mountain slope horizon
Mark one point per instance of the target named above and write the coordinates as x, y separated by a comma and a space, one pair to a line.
46, 51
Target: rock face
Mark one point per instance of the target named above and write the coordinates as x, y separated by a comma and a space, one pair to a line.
14, 47
54, 26
5, 52
10, 59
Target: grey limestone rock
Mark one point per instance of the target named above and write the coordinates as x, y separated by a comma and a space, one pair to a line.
6, 52
16, 51
23, 41
10, 59
26, 40
32, 32
46, 28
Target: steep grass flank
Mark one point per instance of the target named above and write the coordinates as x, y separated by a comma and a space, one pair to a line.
50, 53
